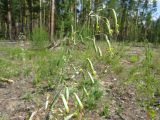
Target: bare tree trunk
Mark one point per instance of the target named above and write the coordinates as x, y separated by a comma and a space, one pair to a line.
44, 15
40, 14
23, 17
30, 16
9, 20
6, 27
52, 19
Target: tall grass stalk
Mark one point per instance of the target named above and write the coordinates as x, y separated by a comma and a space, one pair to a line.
73, 35
91, 67
113, 12
109, 46
94, 44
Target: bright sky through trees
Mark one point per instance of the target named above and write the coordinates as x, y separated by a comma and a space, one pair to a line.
157, 13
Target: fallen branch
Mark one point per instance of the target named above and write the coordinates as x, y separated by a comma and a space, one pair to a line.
6, 80
53, 45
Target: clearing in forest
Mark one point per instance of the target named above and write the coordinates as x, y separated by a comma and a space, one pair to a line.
84, 81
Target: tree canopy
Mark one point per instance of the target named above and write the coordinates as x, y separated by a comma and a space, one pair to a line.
134, 18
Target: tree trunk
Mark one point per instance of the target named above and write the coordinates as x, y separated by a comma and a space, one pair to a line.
123, 22
22, 17
40, 14
30, 16
9, 20
44, 15
52, 19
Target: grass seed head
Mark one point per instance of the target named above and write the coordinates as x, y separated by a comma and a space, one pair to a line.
67, 94
94, 44
100, 52
110, 31
115, 20
91, 67
79, 101
91, 78
85, 91
65, 103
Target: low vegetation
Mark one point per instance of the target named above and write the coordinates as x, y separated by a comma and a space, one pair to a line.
71, 84
71, 60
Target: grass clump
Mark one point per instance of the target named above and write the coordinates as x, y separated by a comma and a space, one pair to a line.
92, 100
134, 58
8, 69
40, 38
94, 94
48, 66
105, 111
